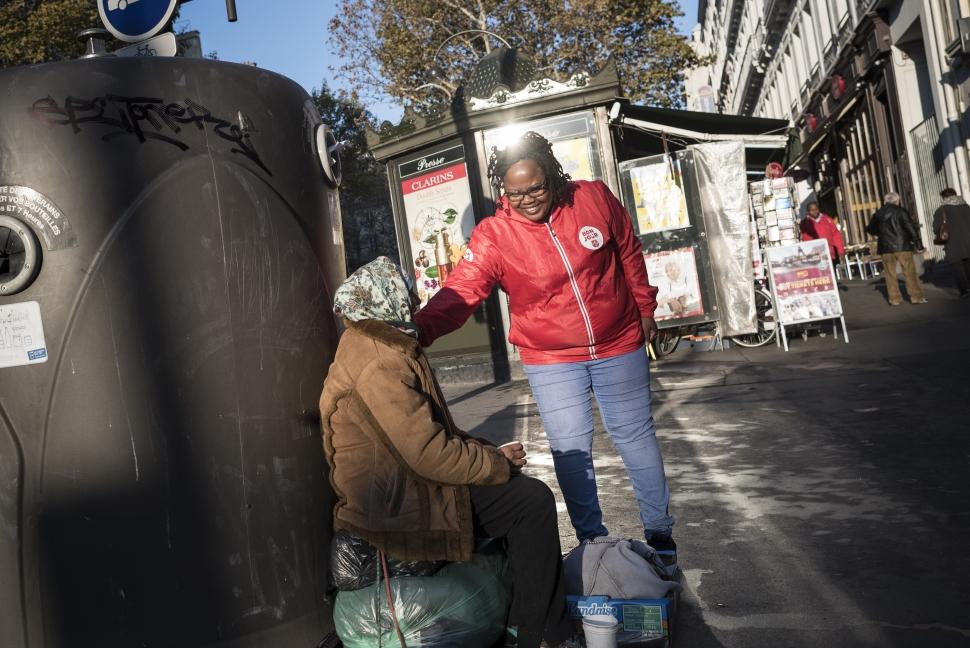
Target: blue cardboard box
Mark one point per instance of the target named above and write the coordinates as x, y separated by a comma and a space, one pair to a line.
643, 622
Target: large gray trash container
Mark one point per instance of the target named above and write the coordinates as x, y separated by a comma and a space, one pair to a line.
168, 248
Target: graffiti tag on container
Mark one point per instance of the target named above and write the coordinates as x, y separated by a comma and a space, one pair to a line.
144, 118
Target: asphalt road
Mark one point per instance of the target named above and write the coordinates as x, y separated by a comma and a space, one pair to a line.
822, 496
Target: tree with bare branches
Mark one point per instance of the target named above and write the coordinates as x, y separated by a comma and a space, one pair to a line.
419, 51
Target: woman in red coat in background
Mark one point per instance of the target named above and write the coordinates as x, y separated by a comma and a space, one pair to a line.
817, 225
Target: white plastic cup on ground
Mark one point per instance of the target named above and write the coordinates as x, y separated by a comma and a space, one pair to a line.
600, 631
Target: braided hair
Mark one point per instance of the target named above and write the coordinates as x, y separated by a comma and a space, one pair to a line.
535, 147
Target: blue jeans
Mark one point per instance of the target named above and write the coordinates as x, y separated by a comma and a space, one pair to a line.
622, 388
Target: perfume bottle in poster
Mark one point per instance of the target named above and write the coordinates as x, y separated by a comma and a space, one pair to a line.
437, 244
442, 256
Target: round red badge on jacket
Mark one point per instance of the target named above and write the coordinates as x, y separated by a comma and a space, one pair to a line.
591, 238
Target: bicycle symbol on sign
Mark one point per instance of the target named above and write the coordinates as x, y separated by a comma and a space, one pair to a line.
119, 4
145, 50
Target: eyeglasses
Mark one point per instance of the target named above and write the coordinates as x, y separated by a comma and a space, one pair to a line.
535, 193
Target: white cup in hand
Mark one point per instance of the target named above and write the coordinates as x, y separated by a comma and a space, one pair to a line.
514, 452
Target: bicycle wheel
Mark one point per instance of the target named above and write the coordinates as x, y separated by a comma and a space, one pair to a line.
666, 341
767, 327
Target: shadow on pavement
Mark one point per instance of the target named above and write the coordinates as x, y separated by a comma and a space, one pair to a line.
939, 274
821, 495
823, 500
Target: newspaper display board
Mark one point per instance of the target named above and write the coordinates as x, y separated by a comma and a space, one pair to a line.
803, 286
438, 207
662, 197
658, 196
674, 273
573, 138
775, 209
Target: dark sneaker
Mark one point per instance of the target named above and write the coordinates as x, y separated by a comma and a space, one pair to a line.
664, 545
965, 294
662, 542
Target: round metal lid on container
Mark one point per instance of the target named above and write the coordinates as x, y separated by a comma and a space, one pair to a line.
328, 152
19, 255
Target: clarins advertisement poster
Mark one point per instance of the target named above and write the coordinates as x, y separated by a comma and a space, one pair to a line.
440, 219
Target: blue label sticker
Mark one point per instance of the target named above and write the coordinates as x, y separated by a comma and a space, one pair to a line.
135, 20
36, 354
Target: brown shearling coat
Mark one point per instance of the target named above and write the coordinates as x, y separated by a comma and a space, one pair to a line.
399, 466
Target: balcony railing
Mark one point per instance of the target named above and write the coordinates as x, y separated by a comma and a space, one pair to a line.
863, 6
846, 28
827, 106
757, 39
831, 54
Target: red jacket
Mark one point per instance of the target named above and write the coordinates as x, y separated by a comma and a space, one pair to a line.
577, 284
824, 228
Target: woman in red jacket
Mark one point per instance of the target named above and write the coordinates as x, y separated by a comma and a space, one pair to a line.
817, 225
581, 310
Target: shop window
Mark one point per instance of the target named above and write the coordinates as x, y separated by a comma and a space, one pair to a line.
811, 42
842, 7
950, 16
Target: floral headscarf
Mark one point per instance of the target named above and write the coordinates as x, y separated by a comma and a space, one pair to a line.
376, 291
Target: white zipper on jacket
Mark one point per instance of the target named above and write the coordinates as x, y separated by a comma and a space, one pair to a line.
579, 296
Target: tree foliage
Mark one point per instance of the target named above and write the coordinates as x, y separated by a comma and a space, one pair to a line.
38, 31
388, 46
364, 200
43, 30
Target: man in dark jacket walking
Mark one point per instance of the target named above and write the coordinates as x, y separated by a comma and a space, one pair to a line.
897, 241
956, 213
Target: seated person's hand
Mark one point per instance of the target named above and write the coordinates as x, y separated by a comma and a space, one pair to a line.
515, 453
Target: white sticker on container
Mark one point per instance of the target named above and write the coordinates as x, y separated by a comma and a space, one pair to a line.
21, 335
335, 219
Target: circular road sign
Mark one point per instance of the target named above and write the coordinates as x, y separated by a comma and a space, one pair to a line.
135, 20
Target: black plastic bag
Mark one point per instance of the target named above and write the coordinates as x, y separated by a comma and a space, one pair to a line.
354, 563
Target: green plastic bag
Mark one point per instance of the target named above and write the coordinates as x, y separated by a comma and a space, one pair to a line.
464, 604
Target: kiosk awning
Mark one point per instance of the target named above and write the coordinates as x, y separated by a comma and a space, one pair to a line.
643, 131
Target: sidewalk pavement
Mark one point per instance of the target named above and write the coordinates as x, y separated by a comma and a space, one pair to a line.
821, 495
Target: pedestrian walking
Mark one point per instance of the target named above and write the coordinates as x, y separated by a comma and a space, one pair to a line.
817, 225
582, 309
412, 484
952, 221
898, 239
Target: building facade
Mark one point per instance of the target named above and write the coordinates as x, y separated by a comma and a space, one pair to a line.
877, 90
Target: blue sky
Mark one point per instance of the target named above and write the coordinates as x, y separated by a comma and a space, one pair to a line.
290, 37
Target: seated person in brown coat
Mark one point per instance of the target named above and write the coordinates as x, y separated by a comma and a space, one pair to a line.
408, 480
